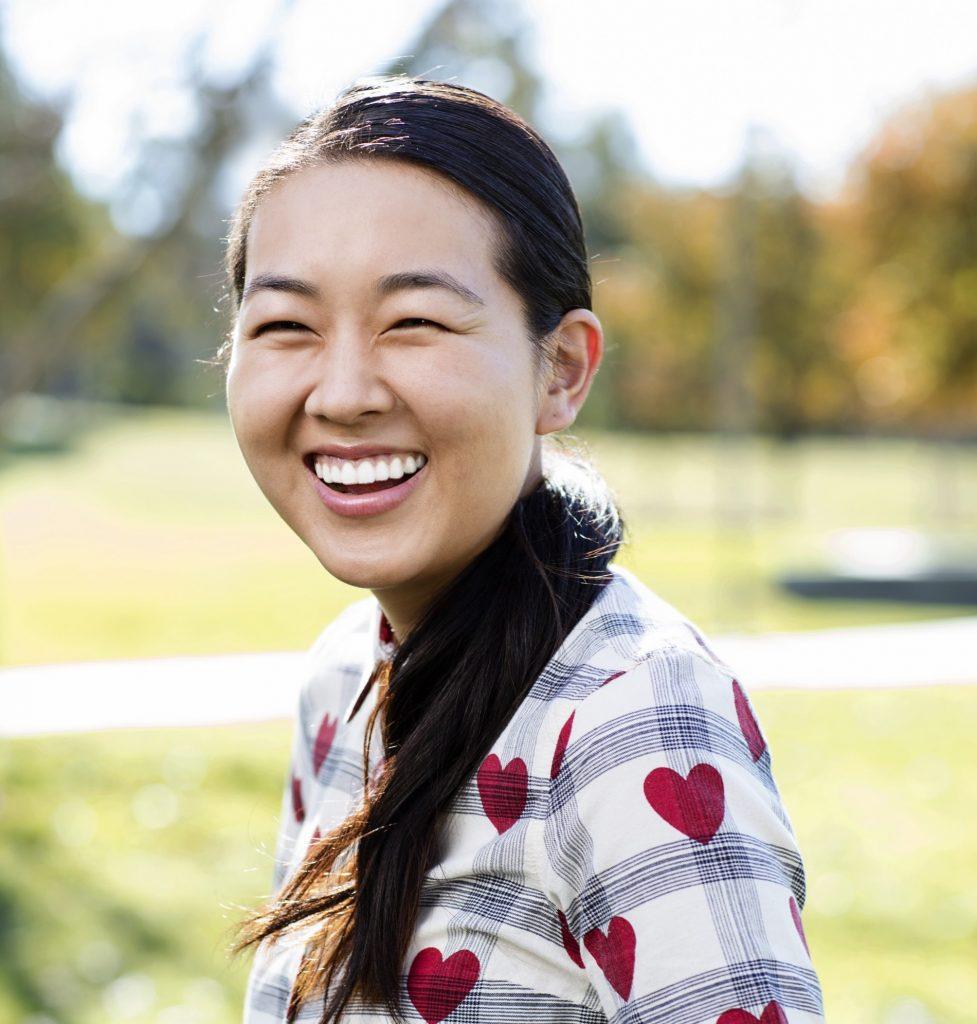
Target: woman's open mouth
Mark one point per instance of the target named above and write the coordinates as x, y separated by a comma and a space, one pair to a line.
358, 499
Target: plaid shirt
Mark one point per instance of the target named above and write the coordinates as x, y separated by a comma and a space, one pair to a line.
622, 855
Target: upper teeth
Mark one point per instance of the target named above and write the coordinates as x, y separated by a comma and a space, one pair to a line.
367, 471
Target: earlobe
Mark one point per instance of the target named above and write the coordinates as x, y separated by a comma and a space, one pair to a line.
554, 414
577, 345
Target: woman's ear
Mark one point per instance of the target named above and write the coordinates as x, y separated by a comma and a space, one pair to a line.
576, 347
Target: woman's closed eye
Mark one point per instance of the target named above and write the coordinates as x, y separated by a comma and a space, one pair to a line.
292, 325
282, 324
418, 321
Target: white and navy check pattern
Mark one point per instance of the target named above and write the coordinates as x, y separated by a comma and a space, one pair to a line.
622, 855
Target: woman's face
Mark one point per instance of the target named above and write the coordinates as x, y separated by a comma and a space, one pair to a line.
341, 341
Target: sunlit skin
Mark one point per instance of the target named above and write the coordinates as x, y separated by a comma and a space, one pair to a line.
346, 370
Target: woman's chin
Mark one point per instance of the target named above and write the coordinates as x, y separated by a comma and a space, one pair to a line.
368, 573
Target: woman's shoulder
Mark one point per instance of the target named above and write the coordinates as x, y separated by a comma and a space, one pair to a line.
631, 626
635, 656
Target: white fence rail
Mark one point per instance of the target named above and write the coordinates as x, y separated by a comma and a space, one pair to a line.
224, 689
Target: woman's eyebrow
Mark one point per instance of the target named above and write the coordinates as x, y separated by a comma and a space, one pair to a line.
407, 279
386, 285
280, 283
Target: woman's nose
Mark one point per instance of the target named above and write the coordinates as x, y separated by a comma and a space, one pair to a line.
347, 383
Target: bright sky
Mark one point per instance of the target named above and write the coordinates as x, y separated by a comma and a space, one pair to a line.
816, 76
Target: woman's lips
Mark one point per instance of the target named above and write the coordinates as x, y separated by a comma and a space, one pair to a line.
367, 504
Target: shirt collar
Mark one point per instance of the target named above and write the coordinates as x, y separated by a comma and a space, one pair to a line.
383, 647
624, 600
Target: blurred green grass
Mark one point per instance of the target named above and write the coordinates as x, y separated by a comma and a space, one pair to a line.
126, 856
150, 538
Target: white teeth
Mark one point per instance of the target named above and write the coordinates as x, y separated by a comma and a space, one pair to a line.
367, 471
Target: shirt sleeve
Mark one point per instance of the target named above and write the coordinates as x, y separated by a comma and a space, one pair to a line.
669, 856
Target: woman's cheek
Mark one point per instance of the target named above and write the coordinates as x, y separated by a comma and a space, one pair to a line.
269, 391
254, 420
240, 409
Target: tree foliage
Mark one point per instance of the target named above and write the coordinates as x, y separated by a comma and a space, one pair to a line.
748, 307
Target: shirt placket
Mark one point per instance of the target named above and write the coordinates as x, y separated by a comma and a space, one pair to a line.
367, 695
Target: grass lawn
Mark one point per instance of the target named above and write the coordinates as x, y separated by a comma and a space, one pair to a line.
125, 855
151, 538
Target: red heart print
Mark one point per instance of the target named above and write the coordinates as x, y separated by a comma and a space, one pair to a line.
695, 806
502, 790
324, 740
570, 944
297, 806
748, 723
561, 745
773, 1013
436, 987
614, 953
316, 836
615, 676
795, 913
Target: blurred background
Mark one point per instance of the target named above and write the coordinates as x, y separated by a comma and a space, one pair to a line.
780, 200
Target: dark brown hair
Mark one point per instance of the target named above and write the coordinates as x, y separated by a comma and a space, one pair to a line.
459, 675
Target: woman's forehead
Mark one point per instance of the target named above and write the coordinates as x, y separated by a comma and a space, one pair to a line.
366, 219
382, 193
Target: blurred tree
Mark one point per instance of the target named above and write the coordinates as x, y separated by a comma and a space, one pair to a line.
861, 312
908, 330
484, 46
657, 303
46, 229
169, 272
795, 379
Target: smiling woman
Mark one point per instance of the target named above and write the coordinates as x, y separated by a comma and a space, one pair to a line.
412, 320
